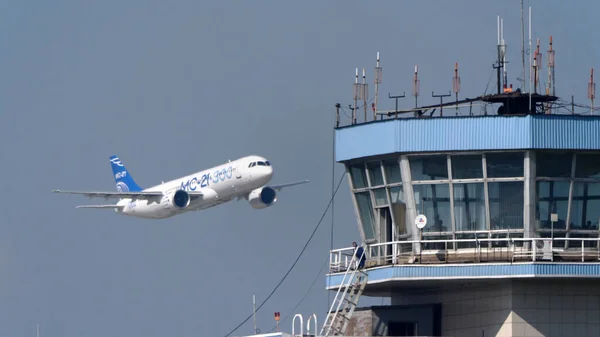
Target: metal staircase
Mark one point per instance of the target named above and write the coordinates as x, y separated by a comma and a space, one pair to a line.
346, 299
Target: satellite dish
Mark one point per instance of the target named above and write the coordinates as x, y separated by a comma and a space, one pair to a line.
421, 221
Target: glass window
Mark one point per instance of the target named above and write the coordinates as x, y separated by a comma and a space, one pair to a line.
260, 163
585, 209
552, 197
375, 173
429, 167
380, 196
392, 171
506, 205
434, 202
469, 207
503, 165
587, 166
467, 167
359, 178
366, 214
553, 164
397, 194
399, 209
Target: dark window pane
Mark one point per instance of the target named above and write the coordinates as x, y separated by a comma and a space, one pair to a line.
359, 178
503, 165
366, 214
506, 205
552, 197
399, 209
434, 202
392, 171
587, 166
380, 196
467, 167
553, 165
429, 167
585, 209
469, 207
375, 173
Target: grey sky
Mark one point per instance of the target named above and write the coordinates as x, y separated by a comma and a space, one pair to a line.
176, 87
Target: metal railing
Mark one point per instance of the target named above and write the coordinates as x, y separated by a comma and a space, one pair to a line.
484, 250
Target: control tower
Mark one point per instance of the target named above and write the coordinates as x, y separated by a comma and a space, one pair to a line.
480, 219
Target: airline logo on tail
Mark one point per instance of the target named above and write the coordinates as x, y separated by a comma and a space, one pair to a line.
123, 179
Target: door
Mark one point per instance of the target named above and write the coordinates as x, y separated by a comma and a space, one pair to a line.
402, 329
386, 232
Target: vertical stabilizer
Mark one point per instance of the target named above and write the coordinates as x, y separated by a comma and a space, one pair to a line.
123, 179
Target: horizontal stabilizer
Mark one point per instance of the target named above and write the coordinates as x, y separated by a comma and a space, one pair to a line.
101, 206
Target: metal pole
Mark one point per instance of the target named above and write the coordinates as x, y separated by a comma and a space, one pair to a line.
254, 311
441, 101
396, 97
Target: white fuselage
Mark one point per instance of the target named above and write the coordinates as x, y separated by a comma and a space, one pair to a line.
217, 185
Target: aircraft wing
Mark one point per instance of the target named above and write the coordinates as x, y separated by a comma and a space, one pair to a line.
101, 206
280, 186
120, 195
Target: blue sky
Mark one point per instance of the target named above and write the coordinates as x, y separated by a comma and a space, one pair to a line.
176, 87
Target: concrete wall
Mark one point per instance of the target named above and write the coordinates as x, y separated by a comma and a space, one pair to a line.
558, 307
361, 323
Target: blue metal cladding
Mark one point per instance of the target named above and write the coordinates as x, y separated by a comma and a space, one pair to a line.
400, 273
559, 132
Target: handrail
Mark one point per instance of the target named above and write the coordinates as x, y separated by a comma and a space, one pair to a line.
474, 250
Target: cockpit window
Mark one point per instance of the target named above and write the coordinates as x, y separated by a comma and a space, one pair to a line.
252, 164
267, 162
260, 163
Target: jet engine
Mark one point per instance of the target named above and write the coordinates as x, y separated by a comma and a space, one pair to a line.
262, 197
178, 199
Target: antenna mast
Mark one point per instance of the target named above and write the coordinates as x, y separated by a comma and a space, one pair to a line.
456, 85
550, 88
364, 93
530, 77
537, 60
592, 90
501, 51
416, 84
356, 93
377, 81
522, 48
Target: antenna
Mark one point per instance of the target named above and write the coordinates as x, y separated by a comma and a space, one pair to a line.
522, 48
364, 93
530, 78
501, 51
377, 82
416, 84
550, 88
356, 91
441, 101
537, 63
592, 90
456, 85
505, 79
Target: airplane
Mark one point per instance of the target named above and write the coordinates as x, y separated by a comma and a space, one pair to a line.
245, 178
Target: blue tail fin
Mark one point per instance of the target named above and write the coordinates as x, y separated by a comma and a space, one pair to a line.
124, 180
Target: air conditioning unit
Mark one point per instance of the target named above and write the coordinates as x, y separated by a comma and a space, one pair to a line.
545, 247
